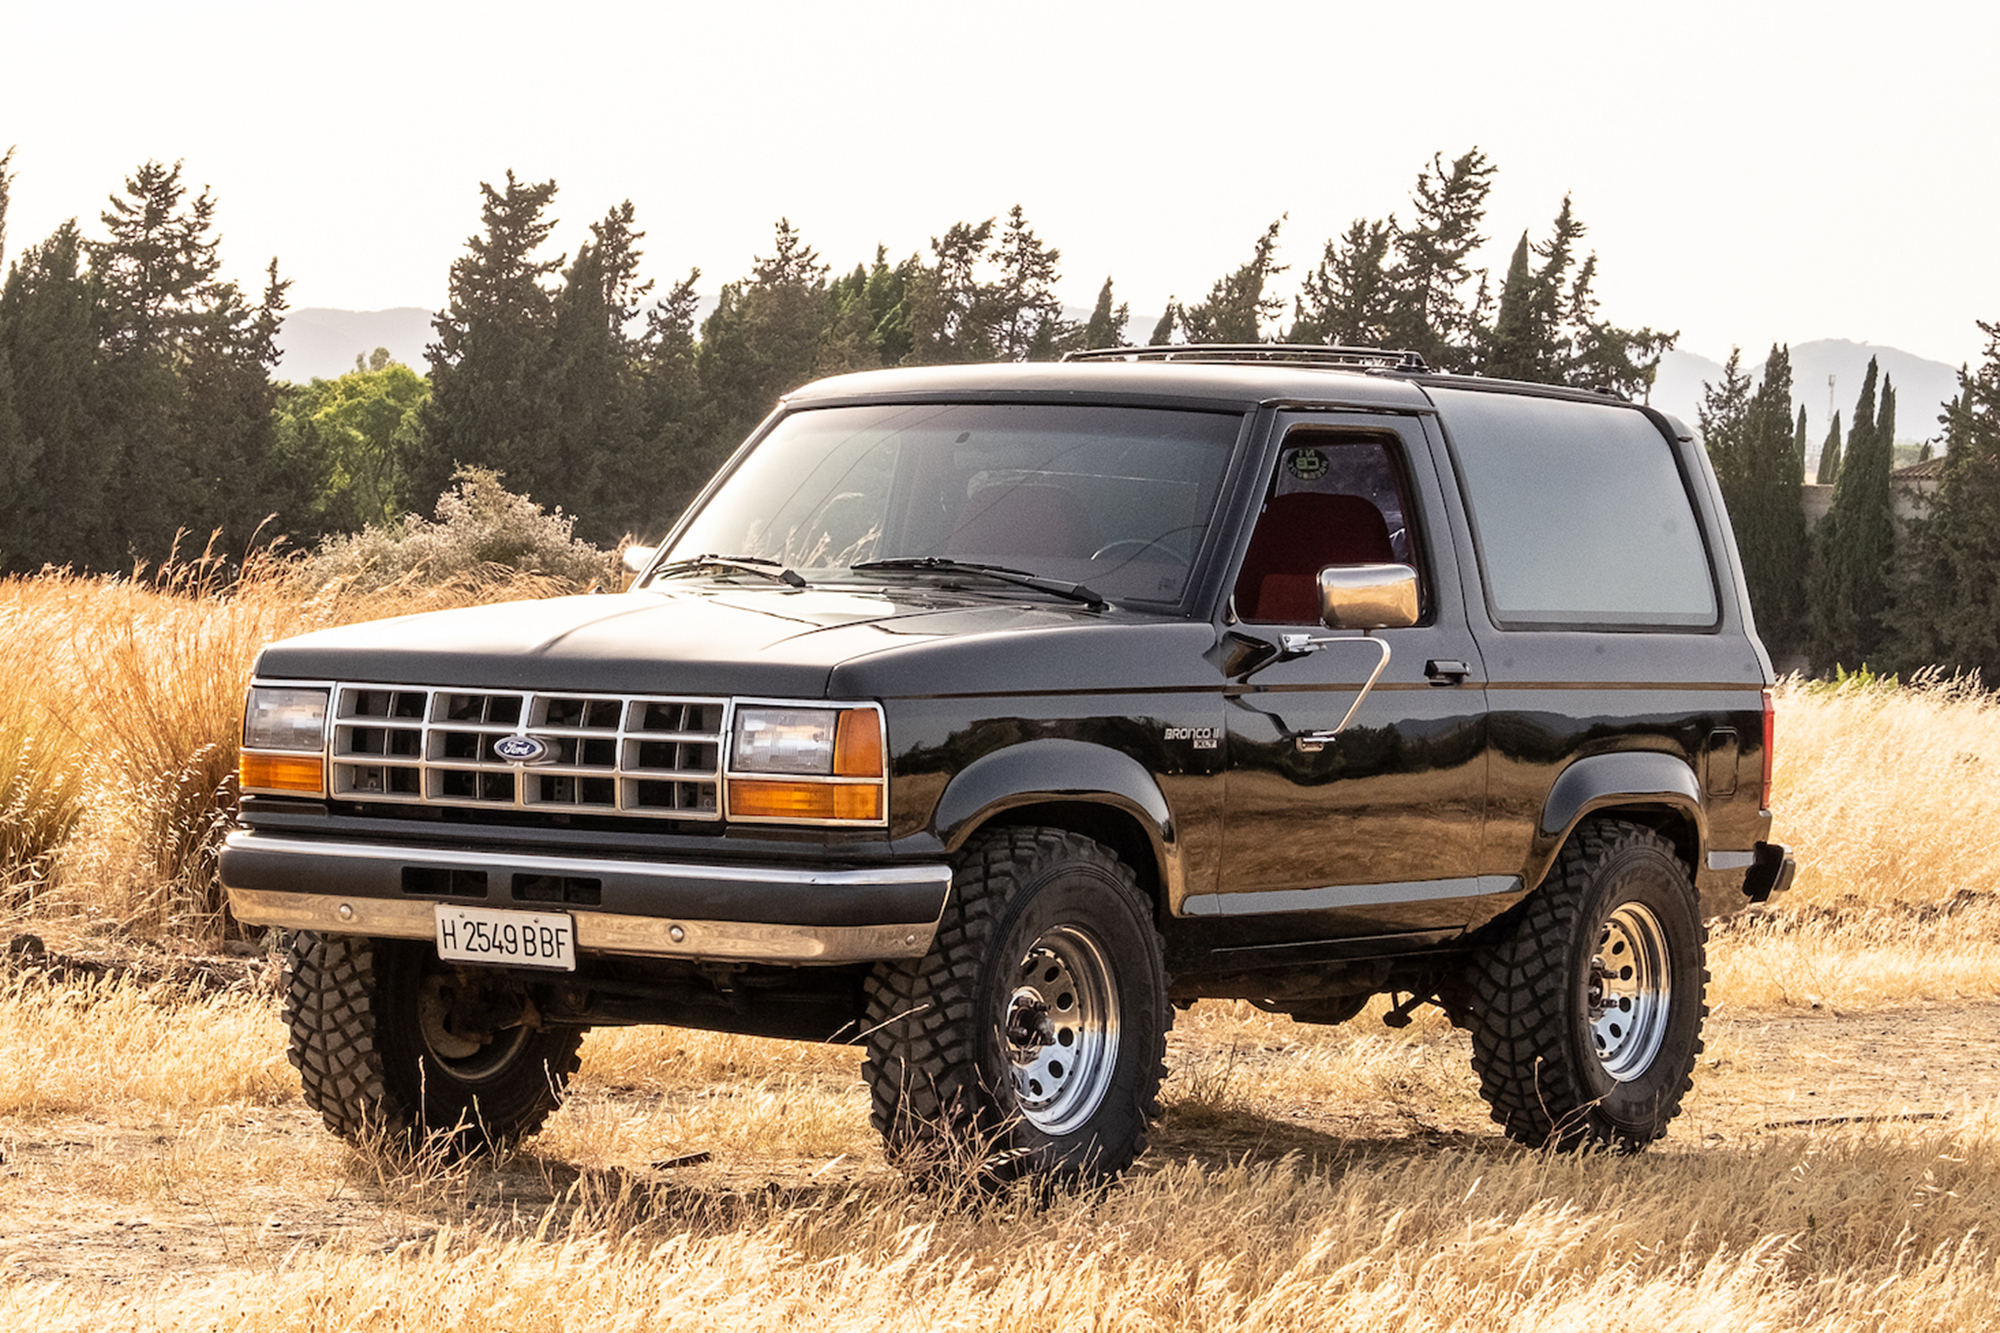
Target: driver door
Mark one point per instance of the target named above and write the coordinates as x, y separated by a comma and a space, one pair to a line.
1340, 793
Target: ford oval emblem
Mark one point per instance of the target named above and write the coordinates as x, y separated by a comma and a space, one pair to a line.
520, 749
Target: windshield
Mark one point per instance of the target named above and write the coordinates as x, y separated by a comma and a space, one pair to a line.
1115, 497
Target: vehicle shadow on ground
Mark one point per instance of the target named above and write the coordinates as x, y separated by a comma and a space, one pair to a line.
1220, 1139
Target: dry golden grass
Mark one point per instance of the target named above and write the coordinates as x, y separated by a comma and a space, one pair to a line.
1891, 800
158, 1172
123, 706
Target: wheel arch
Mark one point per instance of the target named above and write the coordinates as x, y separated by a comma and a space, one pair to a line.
1658, 791
1101, 793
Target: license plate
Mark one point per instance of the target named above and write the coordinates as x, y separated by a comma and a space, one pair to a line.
510, 939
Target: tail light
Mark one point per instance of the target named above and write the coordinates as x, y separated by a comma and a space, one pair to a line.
1770, 733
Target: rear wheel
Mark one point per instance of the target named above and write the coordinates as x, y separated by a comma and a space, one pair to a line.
1030, 1040
1586, 1017
387, 1040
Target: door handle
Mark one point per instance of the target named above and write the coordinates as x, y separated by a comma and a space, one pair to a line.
1446, 671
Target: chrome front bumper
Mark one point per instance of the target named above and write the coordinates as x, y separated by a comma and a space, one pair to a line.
749, 914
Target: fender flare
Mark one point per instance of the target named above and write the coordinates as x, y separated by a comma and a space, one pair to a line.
1053, 770
1609, 781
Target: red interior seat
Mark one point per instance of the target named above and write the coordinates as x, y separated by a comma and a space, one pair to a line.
1297, 536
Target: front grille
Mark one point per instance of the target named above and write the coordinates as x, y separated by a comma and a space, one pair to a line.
606, 754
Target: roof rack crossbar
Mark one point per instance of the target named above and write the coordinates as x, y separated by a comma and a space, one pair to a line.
1352, 358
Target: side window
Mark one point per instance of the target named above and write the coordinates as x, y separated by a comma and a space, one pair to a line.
1580, 514
1336, 499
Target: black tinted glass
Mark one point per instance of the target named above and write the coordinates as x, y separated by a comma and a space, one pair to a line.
1581, 513
1118, 498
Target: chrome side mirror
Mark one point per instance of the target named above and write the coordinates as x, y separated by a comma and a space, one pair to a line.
1368, 596
636, 558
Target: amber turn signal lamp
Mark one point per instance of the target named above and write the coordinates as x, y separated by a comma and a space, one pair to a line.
758, 799
301, 773
857, 745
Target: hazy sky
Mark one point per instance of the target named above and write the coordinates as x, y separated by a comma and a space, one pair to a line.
1749, 172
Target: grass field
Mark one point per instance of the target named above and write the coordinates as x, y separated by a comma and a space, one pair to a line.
157, 1171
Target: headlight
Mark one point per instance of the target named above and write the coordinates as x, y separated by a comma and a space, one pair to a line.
286, 719
276, 719
833, 759
783, 740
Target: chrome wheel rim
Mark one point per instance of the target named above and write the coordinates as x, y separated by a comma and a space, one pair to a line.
1060, 1027
1630, 991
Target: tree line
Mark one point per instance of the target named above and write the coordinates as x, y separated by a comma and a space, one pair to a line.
140, 398
1861, 590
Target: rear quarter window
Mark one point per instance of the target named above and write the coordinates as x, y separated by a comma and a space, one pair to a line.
1580, 512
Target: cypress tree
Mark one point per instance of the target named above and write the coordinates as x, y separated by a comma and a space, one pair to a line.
1829, 454
1163, 331
1520, 344
1949, 611
1767, 509
1799, 445
1106, 325
1855, 546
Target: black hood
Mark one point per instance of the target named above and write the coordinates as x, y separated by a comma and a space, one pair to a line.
708, 639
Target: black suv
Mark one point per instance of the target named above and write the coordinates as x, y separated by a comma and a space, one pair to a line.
983, 714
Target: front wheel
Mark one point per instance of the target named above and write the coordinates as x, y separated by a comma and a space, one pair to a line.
1030, 1040
1586, 1016
390, 1041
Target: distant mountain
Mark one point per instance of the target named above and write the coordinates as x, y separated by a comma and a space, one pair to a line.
1922, 387
320, 344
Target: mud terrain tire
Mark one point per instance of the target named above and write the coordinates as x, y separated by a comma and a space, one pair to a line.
376, 1058
1586, 1016
1031, 1040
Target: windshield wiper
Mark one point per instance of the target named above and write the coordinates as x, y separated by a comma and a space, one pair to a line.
742, 564
1076, 592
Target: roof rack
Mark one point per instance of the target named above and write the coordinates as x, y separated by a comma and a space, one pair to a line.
1311, 354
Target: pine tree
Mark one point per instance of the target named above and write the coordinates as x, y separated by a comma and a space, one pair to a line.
1829, 454
1432, 267
769, 334
50, 315
1021, 306
944, 299
1237, 307
1547, 331
682, 443
186, 375
1163, 331
1721, 419
1348, 299
1948, 613
1854, 547
598, 423
492, 402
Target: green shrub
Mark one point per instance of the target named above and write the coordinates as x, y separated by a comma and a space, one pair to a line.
483, 533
